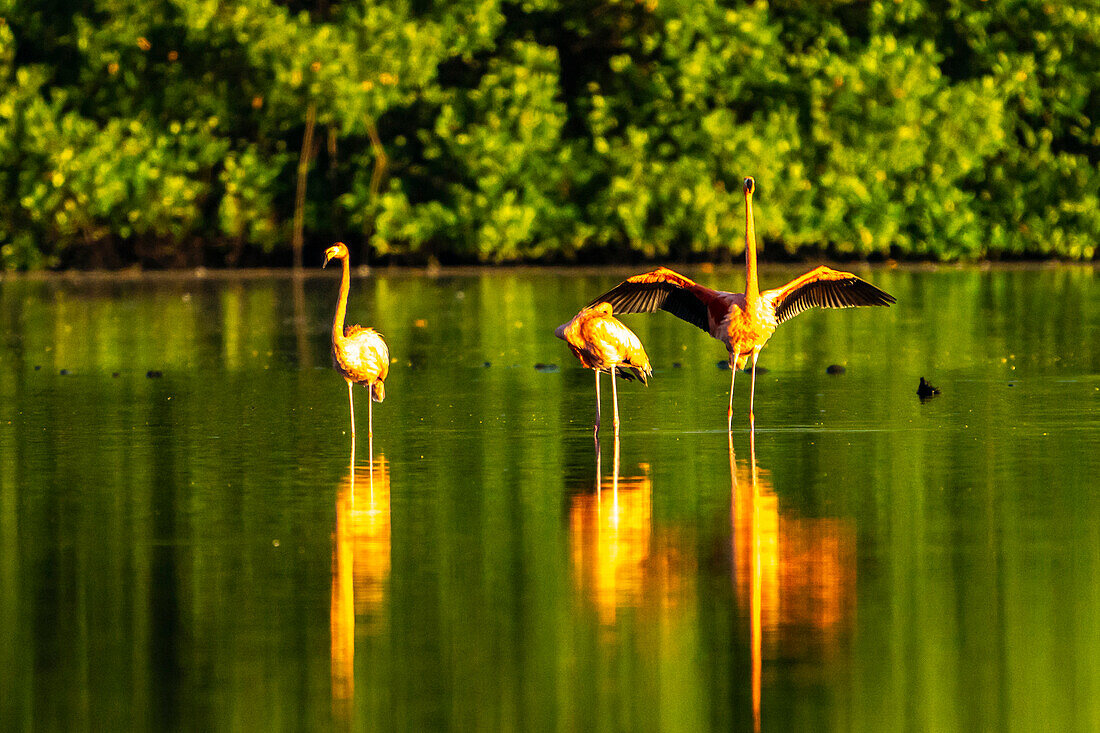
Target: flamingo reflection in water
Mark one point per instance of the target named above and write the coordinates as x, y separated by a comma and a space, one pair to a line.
360, 567
796, 575
620, 559
610, 537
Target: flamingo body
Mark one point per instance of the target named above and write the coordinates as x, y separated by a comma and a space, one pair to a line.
363, 358
604, 344
359, 354
742, 321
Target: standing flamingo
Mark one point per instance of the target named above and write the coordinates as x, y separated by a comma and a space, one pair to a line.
742, 321
602, 344
359, 354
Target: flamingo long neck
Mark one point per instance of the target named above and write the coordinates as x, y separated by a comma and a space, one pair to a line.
342, 302
752, 288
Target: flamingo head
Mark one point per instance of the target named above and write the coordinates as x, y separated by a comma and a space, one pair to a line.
750, 185
338, 251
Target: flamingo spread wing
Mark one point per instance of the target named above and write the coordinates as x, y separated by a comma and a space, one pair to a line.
824, 287
664, 290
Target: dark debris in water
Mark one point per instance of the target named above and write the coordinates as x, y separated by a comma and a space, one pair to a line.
722, 365
547, 368
835, 369
154, 374
926, 391
64, 372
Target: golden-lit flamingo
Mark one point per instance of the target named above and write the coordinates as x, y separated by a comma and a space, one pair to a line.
359, 354
604, 344
742, 321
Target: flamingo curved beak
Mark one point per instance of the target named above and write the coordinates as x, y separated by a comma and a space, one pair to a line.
750, 184
328, 258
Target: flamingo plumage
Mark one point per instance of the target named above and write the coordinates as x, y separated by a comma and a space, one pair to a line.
359, 354
742, 321
604, 344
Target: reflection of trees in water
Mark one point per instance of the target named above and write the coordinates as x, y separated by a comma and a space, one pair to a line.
360, 566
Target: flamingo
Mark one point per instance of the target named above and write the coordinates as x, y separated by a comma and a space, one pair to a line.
359, 354
741, 321
603, 344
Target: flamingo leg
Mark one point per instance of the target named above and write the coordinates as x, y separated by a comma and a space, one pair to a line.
733, 378
351, 405
752, 392
615, 397
599, 475
370, 436
596, 427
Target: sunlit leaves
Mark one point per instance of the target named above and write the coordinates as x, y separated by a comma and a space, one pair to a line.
247, 211
511, 171
482, 130
125, 178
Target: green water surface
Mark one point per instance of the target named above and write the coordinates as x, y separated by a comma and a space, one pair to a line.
199, 550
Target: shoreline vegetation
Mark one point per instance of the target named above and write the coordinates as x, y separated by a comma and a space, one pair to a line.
731, 274
253, 133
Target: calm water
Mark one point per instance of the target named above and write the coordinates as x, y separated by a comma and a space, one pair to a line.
203, 551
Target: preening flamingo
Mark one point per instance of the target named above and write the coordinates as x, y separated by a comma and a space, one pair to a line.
742, 321
359, 354
604, 344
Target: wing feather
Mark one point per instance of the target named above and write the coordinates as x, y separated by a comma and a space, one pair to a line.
661, 289
825, 288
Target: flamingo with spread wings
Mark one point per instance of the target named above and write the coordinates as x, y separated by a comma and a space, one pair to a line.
742, 321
